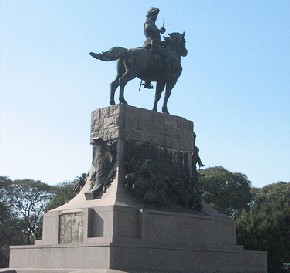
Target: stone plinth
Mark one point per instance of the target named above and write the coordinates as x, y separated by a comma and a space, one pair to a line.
140, 125
115, 232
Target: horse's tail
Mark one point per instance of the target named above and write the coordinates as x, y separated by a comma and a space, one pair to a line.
113, 54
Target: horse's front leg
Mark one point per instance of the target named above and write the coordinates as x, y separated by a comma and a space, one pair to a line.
159, 88
169, 87
121, 97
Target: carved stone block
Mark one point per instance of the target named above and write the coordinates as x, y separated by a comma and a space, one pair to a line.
141, 125
71, 228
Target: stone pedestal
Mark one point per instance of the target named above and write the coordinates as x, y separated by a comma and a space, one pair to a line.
111, 230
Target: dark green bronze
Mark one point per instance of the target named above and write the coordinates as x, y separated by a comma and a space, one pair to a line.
103, 170
159, 62
153, 36
161, 177
151, 31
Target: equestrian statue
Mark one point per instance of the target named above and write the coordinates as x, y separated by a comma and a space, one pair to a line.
157, 60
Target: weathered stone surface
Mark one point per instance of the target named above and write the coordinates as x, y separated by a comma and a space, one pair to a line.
133, 240
141, 125
71, 228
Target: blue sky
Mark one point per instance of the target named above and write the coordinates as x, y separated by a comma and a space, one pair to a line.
235, 84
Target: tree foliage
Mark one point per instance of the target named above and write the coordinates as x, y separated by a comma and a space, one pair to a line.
22, 204
263, 215
266, 224
10, 228
225, 191
28, 199
62, 193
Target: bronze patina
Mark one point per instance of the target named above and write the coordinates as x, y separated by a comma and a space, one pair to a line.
159, 62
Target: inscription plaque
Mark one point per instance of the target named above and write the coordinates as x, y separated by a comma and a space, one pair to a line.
71, 228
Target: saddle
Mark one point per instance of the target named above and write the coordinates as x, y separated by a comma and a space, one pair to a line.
148, 45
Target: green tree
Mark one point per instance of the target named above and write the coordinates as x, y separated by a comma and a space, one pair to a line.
62, 193
225, 191
22, 203
10, 227
28, 199
266, 224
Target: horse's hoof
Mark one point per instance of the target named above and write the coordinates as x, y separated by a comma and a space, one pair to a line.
123, 102
165, 111
112, 102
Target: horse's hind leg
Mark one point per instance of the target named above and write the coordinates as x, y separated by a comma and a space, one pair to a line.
113, 87
159, 89
115, 84
128, 76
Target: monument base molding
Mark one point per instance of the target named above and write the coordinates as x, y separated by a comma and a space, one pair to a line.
136, 258
143, 240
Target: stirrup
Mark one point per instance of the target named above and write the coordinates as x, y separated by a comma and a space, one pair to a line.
148, 85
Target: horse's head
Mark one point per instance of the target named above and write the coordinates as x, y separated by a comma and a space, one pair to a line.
177, 40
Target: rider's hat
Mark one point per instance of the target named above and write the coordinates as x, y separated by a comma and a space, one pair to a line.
152, 11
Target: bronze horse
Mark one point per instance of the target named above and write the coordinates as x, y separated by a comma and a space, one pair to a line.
163, 67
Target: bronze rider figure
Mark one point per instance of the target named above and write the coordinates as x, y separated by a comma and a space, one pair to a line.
153, 35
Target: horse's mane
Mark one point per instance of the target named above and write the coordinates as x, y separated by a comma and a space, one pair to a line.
169, 40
